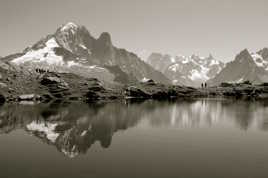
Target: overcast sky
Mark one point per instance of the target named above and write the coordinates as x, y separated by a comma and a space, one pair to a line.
220, 27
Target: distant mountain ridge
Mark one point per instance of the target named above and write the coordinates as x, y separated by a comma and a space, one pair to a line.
72, 49
183, 70
246, 66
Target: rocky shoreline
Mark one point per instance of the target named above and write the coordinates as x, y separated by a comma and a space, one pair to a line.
35, 87
225, 90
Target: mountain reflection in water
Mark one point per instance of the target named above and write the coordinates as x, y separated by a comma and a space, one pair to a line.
74, 127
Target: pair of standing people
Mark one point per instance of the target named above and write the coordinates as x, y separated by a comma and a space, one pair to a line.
204, 85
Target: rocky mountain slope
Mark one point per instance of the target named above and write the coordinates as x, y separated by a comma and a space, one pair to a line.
182, 70
21, 84
246, 66
72, 49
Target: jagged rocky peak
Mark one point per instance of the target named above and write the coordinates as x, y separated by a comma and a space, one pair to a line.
104, 50
244, 55
105, 38
264, 53
200, 59
72, 28
154, 54
244, 52
194, 56
156, 57
160, 61
74, 37
211, 56
68, 29
69, 26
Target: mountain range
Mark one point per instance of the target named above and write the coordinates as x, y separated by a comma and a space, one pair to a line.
194, 70
72, 49
186, 70
246, 66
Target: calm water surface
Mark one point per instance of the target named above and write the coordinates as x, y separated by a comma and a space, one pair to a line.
202, 139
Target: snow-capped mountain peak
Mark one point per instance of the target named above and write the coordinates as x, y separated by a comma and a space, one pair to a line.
72, 49
74, 38
69, 26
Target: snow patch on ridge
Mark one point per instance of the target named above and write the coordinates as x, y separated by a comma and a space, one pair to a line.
214, 62
237, 81
45, 54
174, 67
96, 67
200, 67
199, 75
173, 59
185, 60
144, 80
72, 63
83, 46
259, 61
